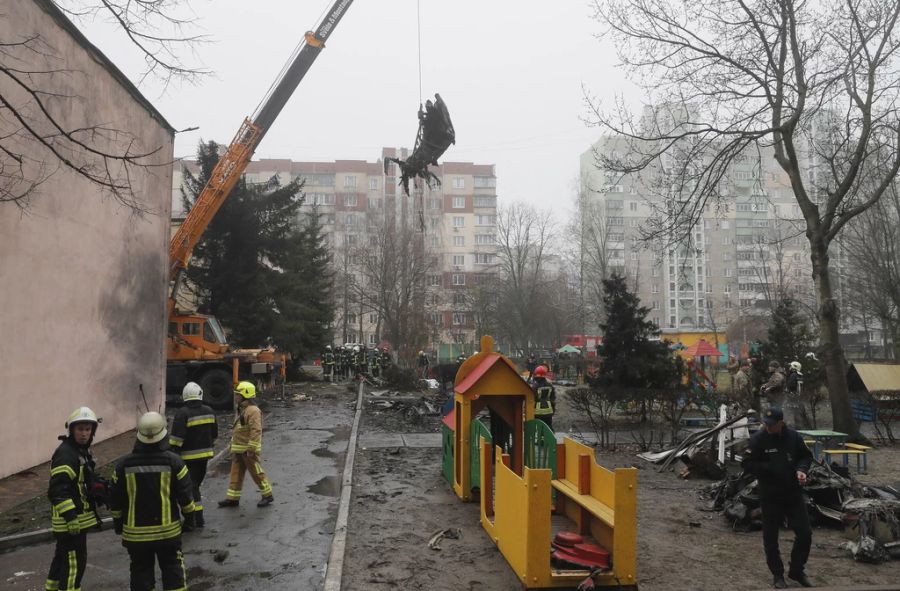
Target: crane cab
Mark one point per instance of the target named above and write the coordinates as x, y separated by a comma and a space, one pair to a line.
195, 337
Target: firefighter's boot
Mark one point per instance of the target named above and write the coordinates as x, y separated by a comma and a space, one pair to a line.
189, 523
265, 501
199, 522
229, 503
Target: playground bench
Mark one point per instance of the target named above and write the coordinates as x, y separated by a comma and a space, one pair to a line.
846, 453
599, 509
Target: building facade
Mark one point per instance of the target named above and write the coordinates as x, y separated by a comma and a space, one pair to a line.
84, 270
451, 226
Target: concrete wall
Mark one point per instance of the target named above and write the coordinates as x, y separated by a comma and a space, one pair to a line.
82, 277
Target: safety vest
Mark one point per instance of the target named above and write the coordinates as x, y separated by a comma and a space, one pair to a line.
247, 432
148, 488
194, 430
543, 404
328, 358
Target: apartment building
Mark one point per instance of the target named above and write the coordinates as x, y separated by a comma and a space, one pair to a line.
454, 224
729, 266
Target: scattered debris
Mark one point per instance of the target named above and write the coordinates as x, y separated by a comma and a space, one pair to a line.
220, 555
452, 533
300, 397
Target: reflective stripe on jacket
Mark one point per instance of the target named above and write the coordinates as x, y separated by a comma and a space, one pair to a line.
71, 469
247, 432
194, 430
544, 399
150, 489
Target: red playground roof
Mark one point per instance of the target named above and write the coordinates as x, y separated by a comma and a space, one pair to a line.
701, 349
481, 369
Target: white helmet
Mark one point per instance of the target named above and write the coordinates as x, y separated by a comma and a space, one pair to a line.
151, 427
795, 365
82, 414
328, 347
192, 391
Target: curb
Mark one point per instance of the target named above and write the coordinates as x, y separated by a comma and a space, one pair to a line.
41, 536
335, 566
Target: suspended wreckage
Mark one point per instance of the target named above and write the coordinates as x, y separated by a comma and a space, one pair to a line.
435, 135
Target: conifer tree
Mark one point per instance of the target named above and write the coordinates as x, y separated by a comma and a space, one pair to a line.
789, 338
234, 268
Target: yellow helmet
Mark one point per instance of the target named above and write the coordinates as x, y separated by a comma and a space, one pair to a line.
246, 390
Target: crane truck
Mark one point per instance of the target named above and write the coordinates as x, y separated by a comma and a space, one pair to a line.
196, 347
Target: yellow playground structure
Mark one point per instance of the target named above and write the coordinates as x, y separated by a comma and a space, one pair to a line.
555, 514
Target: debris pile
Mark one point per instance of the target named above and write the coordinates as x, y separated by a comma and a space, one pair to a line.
405, 412
869, 514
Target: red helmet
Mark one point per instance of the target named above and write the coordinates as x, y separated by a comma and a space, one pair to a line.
540, 371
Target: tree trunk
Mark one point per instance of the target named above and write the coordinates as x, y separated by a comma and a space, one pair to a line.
835, 364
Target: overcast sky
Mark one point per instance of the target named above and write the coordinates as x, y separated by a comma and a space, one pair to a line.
510, 71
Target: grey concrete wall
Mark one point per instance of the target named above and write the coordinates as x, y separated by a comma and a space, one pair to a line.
82, 276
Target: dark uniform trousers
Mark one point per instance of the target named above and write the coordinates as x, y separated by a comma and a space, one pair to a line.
69, 560
171, 565
774, 512
197, 472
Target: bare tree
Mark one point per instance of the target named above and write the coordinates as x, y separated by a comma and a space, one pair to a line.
394, 268
38, 136
523, 241
816, 84
872, 242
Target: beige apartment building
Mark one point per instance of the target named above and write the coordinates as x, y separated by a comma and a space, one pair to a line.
454, 224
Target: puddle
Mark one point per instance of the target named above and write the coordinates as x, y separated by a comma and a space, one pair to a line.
323, 452
329, 486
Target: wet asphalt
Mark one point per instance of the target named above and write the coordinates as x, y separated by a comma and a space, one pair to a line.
284, 546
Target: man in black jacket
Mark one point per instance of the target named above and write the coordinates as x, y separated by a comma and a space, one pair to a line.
194, 431
149, 486
780, 460
70, 492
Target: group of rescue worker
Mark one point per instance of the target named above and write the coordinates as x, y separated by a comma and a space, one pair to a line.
350, 361
154, 492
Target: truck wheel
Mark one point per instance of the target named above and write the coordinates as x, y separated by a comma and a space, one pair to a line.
218, 390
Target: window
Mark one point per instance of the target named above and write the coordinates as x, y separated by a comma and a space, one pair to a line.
654, 272
616, 237
729, 273
459, 318
434, 280
436, 319
726, 239
485, 182
459, 298
459, 241
321, 198
634, 255
459, 182
485, 200
484, 258
351, 318
727, 288
434, 203
374, 202
349, 220
372, 340
459, 279
655, 305
459, 260
724, 224
350, 239
190, 328
373, 183
726, 256
459, 202
349, 181
634, 222
351, 336
351, 200
459, 221
483, 238
320, 180
485, 220
615, 204
432, 241
373, 318
655, 288
632, 206
746, 272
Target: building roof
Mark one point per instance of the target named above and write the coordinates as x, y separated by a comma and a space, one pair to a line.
875, 376
63, 21
481, 369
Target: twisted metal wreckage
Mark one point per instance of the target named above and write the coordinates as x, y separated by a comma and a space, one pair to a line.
870, 513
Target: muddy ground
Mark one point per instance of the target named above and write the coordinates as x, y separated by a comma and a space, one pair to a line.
401, 499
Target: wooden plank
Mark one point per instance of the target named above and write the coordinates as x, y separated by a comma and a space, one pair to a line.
595, 507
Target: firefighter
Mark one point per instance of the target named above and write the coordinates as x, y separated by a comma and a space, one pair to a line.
362, 359
73, 510
385, 359
246, 447
328, 364
375, 362
423, 364
194, 430
149, 486
544, 396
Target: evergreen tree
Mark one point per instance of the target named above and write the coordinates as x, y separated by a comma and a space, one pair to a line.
235, 264
790, 338
631, 360
304, 297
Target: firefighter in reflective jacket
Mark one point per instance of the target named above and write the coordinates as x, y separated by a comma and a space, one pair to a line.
328, 364
194, 430
544, 396
149, 486
71, 478
246, 446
